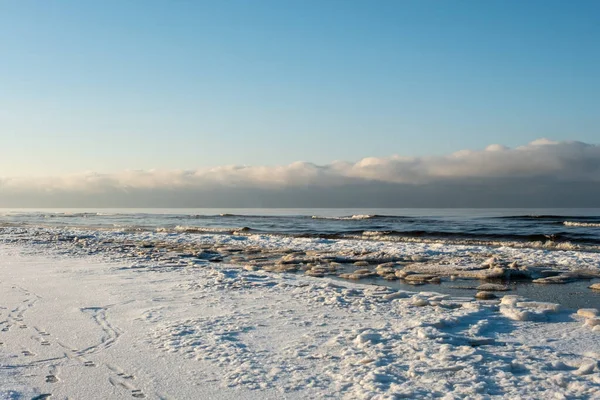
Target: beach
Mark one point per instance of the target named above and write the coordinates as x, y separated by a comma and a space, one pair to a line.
85, 317
298, 200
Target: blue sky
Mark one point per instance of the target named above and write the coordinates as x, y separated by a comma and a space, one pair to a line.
114, 85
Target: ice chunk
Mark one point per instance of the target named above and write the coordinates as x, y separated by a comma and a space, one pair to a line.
558, 279
490, 261
510, 300
418, 277
586, 368
588, 312
396, 295
520, 315
559, 365
419, 301
592, 322
471, 306
539, 305
485, 295
492, 287
367, 337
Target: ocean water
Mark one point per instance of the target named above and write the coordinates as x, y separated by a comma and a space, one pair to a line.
563, 228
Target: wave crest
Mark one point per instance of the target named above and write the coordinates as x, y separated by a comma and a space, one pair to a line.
201, 229
350, 217
582, 224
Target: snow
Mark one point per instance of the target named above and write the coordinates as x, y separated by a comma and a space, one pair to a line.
81, 327
440, 258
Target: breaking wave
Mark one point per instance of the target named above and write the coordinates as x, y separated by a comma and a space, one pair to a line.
582, 224
557, 237
200, 229
539, 244
355, 217
551, 217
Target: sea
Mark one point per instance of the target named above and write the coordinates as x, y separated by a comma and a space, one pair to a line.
574, 226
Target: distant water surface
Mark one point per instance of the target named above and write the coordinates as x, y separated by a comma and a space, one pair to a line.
563, 227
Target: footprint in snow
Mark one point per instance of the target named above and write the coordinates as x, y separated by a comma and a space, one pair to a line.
41, 331
42, 396
52, 376
41, 340
137, 393
120, 372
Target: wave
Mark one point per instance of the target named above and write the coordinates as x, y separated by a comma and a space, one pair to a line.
355, 217
71, 215
559, 237
200, 229
227, 215
541, 244
582, 224
551, 217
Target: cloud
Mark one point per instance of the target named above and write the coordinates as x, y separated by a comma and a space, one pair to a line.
543, 164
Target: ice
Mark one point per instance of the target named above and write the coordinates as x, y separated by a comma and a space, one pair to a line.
551, 307
491, 287
521, 315
485, 295
368, 337
519, 310
592, 322
588, 312
586, 368
397, 295
510, 300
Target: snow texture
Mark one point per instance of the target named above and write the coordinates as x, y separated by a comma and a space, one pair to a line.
81, 327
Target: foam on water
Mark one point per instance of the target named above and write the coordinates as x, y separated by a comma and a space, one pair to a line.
349, 218
583, 224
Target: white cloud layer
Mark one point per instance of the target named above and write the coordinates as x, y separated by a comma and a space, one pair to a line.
562, 161
542, 173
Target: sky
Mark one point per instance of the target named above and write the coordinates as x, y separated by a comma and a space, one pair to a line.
115, 89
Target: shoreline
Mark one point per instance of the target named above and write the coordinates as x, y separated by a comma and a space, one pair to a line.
230, 333
450, 269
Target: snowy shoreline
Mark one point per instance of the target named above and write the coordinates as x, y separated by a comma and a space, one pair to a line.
457, 270
81, 327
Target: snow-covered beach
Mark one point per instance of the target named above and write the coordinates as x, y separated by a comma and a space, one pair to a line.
79, 324
298, 200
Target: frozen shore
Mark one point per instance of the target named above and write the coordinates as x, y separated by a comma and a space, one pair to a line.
80, 327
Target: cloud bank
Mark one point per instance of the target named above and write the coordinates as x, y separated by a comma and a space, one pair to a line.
542, 173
